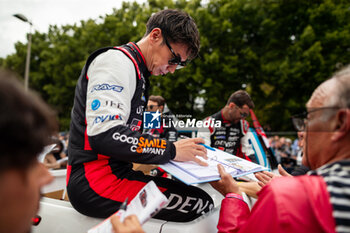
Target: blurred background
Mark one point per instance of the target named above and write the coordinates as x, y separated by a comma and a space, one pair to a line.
278, 51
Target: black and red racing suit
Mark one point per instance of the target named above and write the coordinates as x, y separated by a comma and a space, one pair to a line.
110, 97
228, 137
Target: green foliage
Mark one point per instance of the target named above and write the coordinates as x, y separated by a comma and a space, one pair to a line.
280, 49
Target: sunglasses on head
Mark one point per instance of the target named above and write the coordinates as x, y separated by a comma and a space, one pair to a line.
176, 60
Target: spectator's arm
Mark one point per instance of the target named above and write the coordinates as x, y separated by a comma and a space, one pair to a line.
250, 188
265, 177
234, 211
264, 218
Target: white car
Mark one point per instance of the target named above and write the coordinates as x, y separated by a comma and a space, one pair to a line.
58, 216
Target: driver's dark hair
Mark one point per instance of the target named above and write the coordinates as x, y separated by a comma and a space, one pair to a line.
26, 124
178, 27
241, 98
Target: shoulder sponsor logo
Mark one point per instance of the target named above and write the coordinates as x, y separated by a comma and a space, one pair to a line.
107, 87
135, 124
95, 104
103, 118
143, 145
110, 103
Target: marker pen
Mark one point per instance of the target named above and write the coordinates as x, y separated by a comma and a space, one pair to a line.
122, 210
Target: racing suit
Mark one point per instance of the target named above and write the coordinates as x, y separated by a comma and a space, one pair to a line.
105, 139
167, 131
228, 137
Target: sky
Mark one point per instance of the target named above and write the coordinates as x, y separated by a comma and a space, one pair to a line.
43, 13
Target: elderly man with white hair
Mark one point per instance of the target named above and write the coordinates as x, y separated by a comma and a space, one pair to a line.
316, 202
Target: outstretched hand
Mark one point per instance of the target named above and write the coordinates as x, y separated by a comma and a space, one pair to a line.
227, 184
265, 177
188, 150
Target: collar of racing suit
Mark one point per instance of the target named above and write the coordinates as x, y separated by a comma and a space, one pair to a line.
135, 50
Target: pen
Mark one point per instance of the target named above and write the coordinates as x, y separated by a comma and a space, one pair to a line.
208, 147
122, 210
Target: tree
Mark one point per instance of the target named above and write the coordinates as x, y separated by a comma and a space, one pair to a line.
280, 50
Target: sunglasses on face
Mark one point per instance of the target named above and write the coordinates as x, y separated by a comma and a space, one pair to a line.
242, 114
176, 60
151, 107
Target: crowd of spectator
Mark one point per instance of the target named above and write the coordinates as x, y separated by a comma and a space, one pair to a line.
288, 152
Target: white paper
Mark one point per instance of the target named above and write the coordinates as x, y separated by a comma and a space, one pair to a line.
144, 205
234, 165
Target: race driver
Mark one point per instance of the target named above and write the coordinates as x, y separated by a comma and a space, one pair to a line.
105, 138
230, 136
